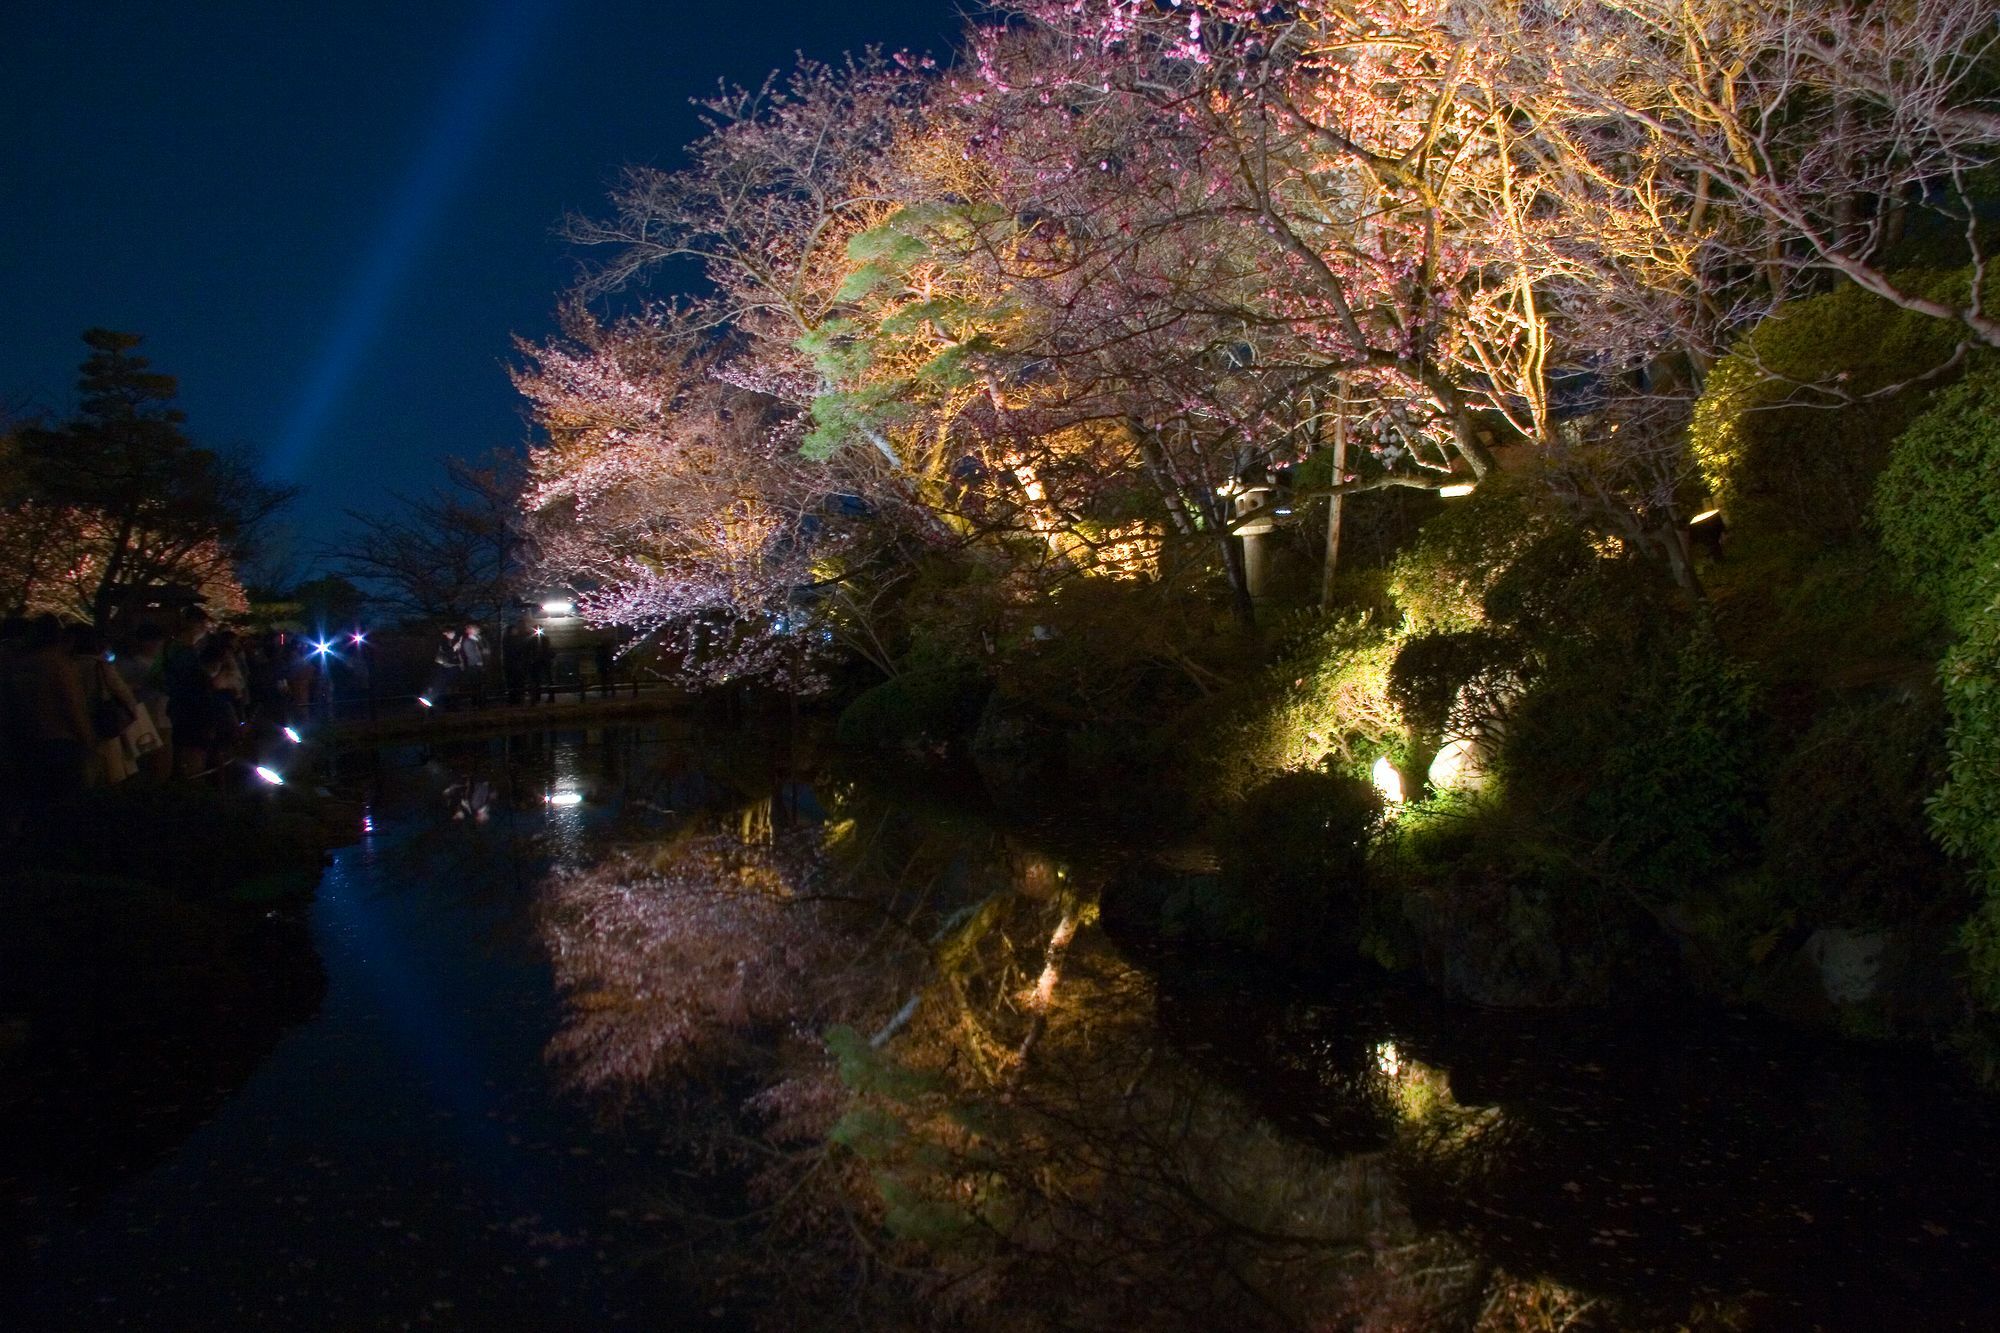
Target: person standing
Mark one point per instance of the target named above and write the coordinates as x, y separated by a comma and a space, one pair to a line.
142, 665
186, 687
110, 704
50, 717
445, 663
472, 661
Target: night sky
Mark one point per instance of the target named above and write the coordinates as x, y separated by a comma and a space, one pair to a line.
328, 226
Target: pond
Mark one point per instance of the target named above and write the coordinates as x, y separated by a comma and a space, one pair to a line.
651, 1023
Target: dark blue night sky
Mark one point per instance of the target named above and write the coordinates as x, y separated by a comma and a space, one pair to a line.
329, 225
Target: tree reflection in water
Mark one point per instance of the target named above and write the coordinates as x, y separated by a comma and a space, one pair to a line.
915, 1080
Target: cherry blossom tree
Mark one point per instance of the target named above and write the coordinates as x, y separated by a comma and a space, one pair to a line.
677, 503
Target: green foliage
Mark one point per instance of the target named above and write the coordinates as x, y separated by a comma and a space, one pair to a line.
866, 1069
1781, 456
1803, 611
918, 710
1658, 773
1940, 518
1490, 906
1966, 813
1938, 502
1681, 783
1295, 859
1323, 702
1441, 581
1846, 842
1440, 673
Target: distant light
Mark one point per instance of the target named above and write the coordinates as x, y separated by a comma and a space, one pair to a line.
1703, 516
367, 824
358, 637
1281, 512
566, 798
292, 735
1387, 780
1455, 490
322, 646
271, 775
558, 606
425, 702
539, 631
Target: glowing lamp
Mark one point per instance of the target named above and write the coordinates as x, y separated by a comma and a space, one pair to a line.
292, 735
1387, 781
565, 798
425, 702
1703, 516
1455, 490
558, 606
271, 775
322, 647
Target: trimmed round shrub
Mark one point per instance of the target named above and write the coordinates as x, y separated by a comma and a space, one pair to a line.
1938, 501
918, 710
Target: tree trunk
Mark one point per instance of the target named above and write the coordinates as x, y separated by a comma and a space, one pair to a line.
1330, 566
114, 565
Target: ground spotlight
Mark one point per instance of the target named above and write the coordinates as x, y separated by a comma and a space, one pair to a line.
1387, 781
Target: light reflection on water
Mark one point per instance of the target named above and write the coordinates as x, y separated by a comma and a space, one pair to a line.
1178, 1118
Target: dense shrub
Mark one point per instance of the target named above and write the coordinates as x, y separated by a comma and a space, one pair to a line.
1657, 770
1447, 685
1322, 702
1441, 581
1782, 456
918, 710
1489, 907
1940, 517
1938, 501
1294, 863
1847, 841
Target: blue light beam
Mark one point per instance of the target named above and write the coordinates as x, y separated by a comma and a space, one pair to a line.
472, 98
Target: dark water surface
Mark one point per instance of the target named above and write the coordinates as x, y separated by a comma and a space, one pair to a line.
406, 1157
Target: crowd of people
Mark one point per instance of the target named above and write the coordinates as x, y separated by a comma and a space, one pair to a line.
77, 711
463, 659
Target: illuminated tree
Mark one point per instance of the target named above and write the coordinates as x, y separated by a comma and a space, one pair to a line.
122, 499
676, 502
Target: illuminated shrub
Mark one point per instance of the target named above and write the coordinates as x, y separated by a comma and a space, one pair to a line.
1940, 518
1781, 456
1938, 502
1323, 703
1440, 583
